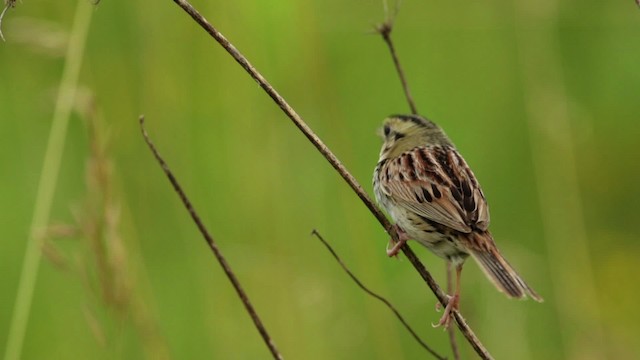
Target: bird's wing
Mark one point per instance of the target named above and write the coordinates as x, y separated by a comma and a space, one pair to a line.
436, 183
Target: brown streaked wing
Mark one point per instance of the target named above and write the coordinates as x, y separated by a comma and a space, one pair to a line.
436, 183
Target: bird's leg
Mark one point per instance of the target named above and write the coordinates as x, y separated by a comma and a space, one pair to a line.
448, 267
402, 239
453, 303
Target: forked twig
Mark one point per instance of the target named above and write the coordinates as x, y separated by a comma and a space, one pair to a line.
379, 297
337, 165
216, 251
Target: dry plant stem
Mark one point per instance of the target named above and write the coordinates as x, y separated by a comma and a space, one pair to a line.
282, 103
337, 165
385, 31
48, 179
216, 251
379, 297
450, 329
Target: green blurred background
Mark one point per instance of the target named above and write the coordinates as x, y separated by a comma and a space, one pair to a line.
541, 97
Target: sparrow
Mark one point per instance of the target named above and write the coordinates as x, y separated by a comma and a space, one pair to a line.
426, 186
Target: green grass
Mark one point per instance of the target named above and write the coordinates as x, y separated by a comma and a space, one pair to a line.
261, 187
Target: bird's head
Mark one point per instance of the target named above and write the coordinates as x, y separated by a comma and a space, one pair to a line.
405, 132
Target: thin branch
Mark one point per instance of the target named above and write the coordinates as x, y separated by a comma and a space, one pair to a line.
385, 29
379, 297
286, 108
337, 165
450, 329
216, 251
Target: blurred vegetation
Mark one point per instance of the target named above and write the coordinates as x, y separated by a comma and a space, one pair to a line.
541, 97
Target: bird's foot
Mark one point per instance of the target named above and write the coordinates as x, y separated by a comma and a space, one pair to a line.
396, 246
452, 306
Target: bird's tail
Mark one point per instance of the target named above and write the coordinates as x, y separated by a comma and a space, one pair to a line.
498, 270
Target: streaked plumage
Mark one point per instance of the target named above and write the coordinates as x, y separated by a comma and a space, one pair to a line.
433, 196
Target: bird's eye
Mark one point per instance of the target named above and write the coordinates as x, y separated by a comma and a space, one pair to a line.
386, 130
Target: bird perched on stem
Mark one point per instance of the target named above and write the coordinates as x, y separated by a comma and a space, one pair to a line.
433, 197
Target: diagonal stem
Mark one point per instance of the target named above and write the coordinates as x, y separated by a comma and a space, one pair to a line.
337, 165
212, 244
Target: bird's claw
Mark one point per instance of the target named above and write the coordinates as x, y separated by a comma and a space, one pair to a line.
395, 249
452, 306
397, 245
439, 305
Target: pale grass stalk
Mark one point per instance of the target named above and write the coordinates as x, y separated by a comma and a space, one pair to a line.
48, 178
